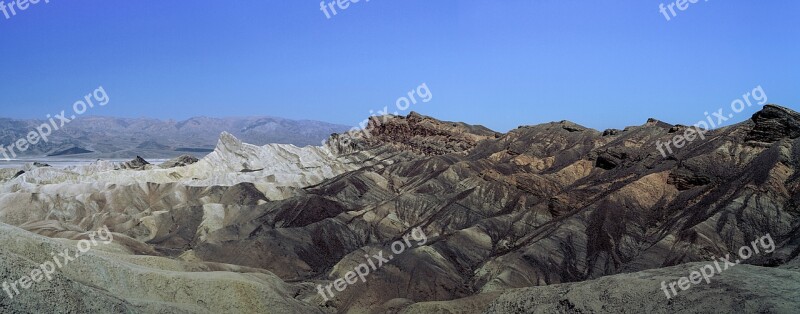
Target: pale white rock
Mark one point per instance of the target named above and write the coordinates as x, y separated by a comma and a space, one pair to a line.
271, 168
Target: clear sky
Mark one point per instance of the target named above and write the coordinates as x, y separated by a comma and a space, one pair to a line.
603, 64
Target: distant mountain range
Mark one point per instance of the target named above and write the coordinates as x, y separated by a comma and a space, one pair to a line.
109, 137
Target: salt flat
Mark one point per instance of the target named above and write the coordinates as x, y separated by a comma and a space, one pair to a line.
63, 162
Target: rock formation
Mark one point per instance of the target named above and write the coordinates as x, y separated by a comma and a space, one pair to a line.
548, 218
180, 161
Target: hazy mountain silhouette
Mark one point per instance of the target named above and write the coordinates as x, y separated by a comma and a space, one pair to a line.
127, 137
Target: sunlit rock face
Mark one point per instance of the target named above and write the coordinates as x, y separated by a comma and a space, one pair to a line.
555, 210
232, 162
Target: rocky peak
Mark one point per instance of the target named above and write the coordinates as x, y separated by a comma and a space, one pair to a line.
658, 123
423, 134
228, 142
180, 161
345, 143
571, 126
233, 152
137, 163
415, 115
773, 123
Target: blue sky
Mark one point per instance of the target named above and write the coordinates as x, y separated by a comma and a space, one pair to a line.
502, 64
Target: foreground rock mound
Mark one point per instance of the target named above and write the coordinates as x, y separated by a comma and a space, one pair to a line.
112, 279
767, 290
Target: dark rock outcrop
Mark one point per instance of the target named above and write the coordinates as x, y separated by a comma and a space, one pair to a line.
180, 161
773, 123
423, 135
137, 163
